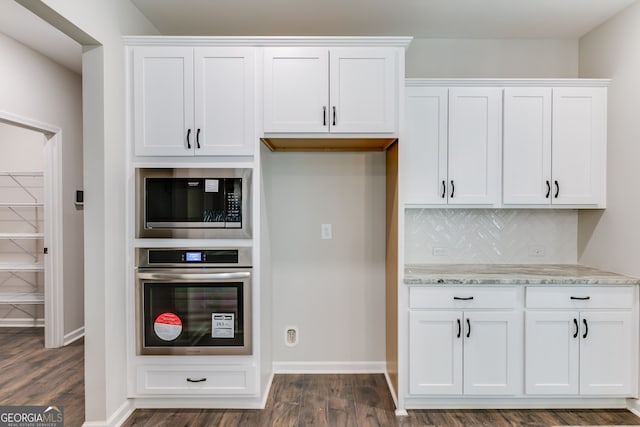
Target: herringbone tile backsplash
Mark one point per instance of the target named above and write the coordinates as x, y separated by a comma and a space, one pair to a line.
494, 236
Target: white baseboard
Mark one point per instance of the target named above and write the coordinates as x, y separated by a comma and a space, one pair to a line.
329, 367
633, 405
267, 390
26, 322
116, 419
394, 396
73, 336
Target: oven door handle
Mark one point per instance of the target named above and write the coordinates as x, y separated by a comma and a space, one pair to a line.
194, 276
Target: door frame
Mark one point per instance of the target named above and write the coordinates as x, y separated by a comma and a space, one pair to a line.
53, 237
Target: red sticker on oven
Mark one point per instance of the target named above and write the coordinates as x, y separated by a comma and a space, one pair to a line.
167, 326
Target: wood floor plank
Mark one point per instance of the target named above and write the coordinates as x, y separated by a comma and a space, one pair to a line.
341, 412
313, 410
35, 375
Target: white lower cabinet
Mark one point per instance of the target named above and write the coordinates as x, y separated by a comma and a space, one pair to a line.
506, 342
475, 351
196, 380
588, 350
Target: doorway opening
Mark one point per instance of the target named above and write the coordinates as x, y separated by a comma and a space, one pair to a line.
30, 227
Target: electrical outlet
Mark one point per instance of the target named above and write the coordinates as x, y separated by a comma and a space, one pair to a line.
325, 231
536, 250
291, 336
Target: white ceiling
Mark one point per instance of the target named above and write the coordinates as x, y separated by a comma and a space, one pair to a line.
547, 19
487, 19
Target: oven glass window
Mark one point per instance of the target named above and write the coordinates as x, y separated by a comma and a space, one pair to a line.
193, 314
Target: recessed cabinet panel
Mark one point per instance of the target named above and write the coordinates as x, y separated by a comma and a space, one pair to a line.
296, 90
435, 352
526, 155
363, 90
606, 353
424, 149
163, 99
551, 352
224, 101
492, 353
579, 149
475, 133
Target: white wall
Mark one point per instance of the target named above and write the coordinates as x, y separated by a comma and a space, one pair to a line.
34, 87
464, 58
610, 239
102, 23
332, 290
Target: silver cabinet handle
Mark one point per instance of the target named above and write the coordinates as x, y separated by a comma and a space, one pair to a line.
194, 276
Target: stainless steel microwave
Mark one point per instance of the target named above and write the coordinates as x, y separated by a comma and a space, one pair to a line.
193, 203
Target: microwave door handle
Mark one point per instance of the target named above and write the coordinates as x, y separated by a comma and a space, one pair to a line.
194, 276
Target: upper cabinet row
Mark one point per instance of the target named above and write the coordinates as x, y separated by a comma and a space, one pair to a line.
505, 146
202, 100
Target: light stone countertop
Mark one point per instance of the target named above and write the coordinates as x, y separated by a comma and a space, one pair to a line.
525, 274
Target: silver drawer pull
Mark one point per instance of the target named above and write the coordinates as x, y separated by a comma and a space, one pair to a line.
196, 380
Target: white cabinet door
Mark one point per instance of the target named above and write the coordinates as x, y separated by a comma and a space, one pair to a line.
363, 90
163, 100
296, 90
493, 353
435, 352
475, 135
606, 353
579, 145
551, 352
526, 155
423, 151
224, 101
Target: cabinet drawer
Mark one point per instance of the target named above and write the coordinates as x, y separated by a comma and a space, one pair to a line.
161, 379
462, 297
580, 297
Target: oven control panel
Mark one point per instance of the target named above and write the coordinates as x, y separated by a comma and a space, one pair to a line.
179, 257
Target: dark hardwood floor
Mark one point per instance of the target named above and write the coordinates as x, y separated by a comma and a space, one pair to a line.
33, 375
362, 400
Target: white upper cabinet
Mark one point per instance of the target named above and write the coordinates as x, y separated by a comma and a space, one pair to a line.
424, 146
554, 149
475, 134
193, 101
296, 89
579, 145
337, 90
163, 100
451, 150
526, 147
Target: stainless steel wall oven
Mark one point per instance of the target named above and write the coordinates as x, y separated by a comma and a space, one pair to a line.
193, 301
193, 203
